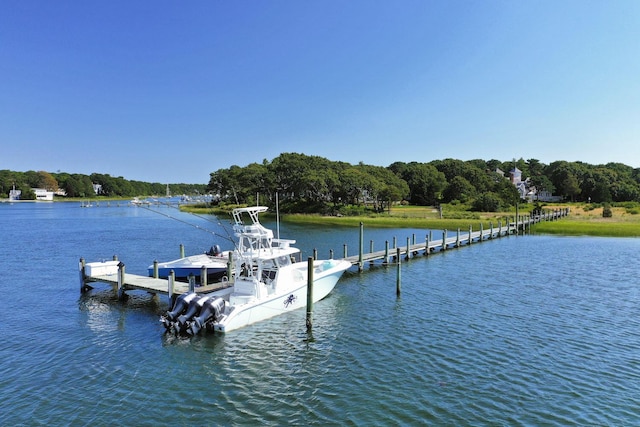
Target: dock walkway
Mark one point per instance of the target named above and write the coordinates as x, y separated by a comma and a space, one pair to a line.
429, 244
113, 272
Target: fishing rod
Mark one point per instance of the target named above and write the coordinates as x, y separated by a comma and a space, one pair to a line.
227, 237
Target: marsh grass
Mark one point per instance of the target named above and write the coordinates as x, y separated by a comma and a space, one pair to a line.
584, 219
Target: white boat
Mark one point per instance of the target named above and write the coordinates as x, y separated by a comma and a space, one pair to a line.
137, 202
266, 281
214, 261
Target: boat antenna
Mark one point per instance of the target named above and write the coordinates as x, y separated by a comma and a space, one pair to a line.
277, 217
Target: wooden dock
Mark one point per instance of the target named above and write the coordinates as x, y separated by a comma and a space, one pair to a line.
445, 241
113, 273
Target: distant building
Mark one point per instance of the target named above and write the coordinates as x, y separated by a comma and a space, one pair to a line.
528, 191
43, 195
515, 175
14, 194
97, 188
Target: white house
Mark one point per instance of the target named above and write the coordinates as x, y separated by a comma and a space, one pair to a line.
14, 194
43, 195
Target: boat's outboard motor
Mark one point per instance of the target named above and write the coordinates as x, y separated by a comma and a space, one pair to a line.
211, 310
181, 304
180, 325
215, 250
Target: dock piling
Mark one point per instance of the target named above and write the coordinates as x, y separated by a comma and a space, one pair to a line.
170, 286
399, 270
121, 280
203, 276
309, 319
360, 263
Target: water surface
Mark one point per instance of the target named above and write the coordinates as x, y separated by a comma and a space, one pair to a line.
524, 330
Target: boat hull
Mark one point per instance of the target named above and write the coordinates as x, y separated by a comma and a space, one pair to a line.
293, 298
192, 265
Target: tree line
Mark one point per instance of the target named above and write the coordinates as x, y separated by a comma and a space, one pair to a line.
315, 184
79, 185
307, 183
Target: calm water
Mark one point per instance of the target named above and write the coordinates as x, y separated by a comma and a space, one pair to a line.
528, 330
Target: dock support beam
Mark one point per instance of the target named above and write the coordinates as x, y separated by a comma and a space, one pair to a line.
399, 269
203, 276
121, 273
171, 281
192, 283
230, 267
360, 263
386, 252
408, 249
309, 319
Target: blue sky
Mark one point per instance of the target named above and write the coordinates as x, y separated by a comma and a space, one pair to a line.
166, 91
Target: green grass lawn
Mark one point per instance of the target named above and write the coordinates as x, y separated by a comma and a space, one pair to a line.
582, 220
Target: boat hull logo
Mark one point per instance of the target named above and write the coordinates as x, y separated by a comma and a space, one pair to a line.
290, 300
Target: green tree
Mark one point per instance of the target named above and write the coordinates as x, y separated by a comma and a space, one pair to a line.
460, 189
487, 202
425, 182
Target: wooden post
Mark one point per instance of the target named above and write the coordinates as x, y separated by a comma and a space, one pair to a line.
408, 248
360, 263
458, 238
344, 248
229, 267
481, 232
371, 251
309, 294
444, 239
203, 276
470, 233
395, 243
155, 268
386, 252
399, 270
426, 245
315, 253
330, 253
171, 281
121, 276
181, 250
83, 276
192, 283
